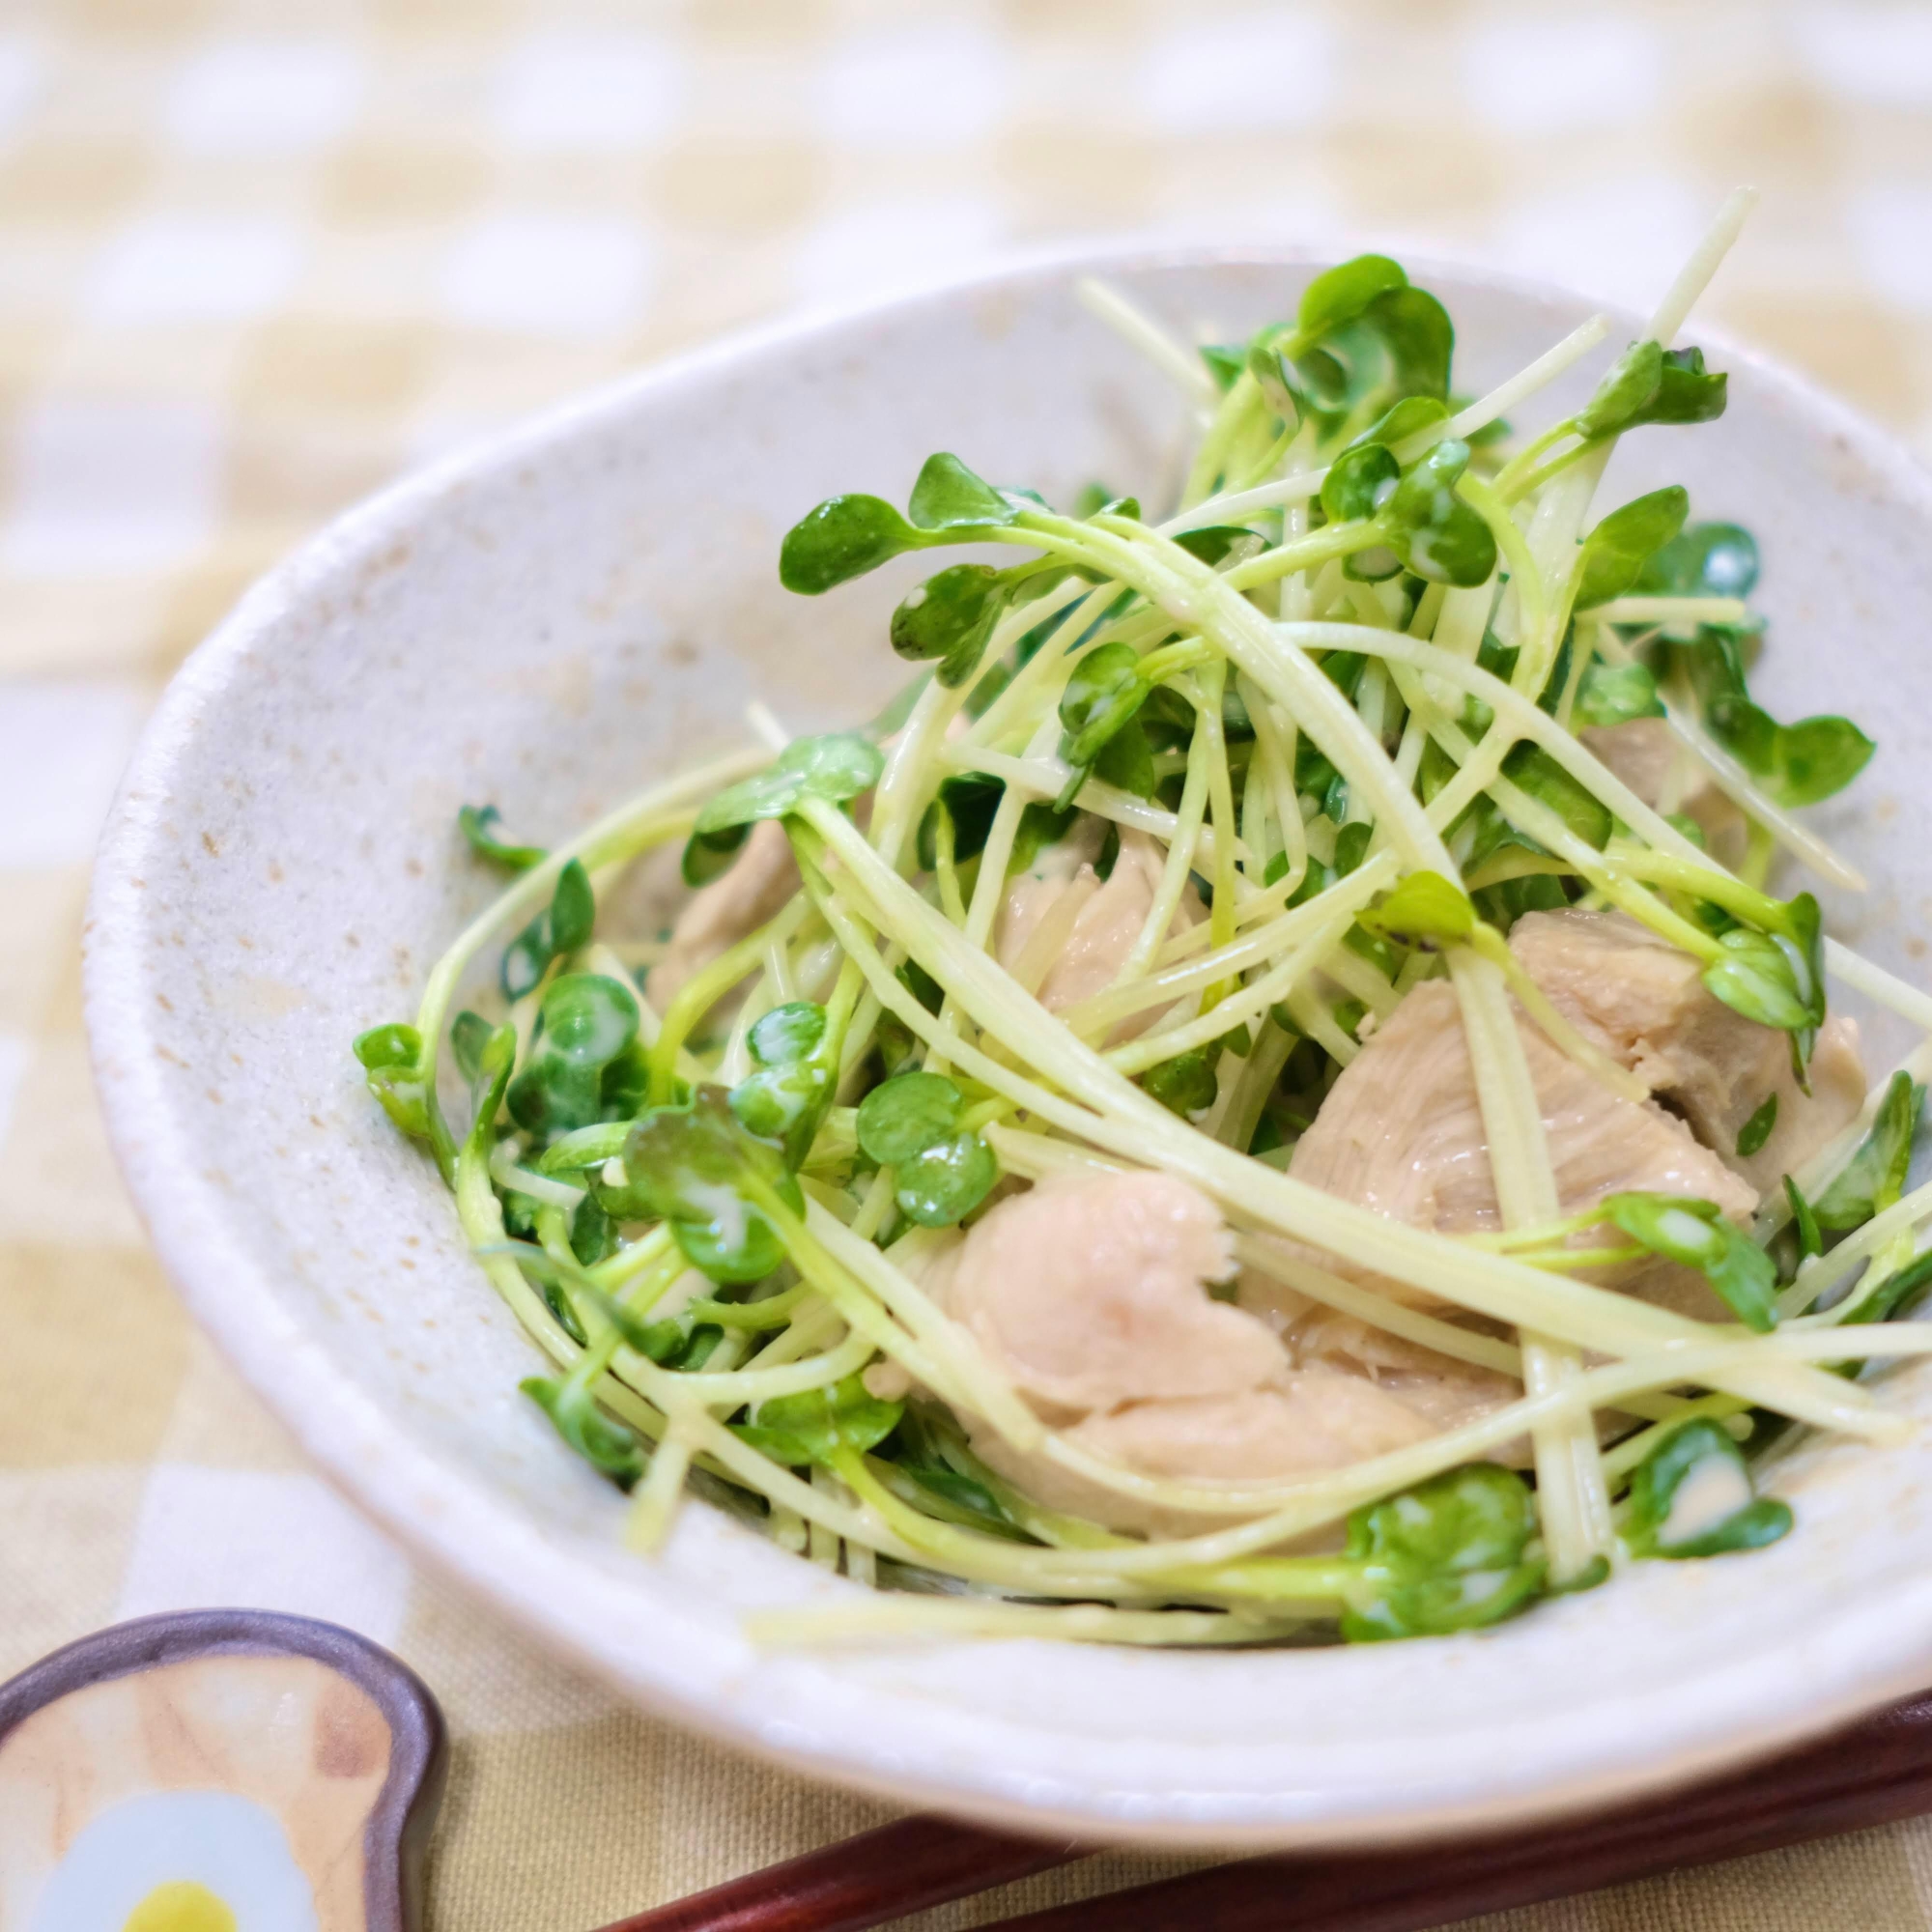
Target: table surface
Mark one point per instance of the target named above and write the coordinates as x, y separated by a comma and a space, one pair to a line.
256, 258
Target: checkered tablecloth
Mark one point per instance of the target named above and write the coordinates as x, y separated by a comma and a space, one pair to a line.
258, 255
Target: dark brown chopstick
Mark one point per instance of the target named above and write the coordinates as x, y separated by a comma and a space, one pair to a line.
1870, 1773
859, 1882
1873, 1773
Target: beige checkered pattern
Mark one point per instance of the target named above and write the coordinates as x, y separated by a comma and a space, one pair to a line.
257, 255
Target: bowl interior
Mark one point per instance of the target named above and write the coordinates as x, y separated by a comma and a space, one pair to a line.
586, 606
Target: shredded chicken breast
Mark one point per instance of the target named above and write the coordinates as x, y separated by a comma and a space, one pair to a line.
1091, 1291
1644, 752
1645, 1003
761, 884
1064, 932
1402, 1132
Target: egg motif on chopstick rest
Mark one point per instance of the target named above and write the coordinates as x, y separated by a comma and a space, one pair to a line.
216, 1771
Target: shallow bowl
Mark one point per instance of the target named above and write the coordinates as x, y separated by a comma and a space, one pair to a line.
585, 604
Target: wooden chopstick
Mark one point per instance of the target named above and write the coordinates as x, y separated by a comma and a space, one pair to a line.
1876, 1772
859, 1882
1871, 1774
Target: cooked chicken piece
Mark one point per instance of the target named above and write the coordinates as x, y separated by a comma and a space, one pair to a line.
763, 878
1316, 1418
1804, 1122
1405, 1370
1090, 1292
1062, 931
1402, 1132
1645, 754
1645, 1003
1060, 872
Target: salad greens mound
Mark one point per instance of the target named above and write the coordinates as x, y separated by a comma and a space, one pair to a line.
985, 1144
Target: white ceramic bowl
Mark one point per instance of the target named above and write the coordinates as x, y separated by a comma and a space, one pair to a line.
586, 603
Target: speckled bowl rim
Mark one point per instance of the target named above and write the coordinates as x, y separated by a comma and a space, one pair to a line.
1873, 1651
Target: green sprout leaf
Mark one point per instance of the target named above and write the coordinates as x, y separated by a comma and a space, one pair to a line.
687, 1166
709, 855
1532, 770
1329, 382
588, 1146
648, 1338
787, 1033
494, 1061
941, 1184
1363, 335
1446, 1555
785, 1098
1756, 1130
923, 986
1706, 561
468, 1035
558, 930
1754, 979
1432, 528
906, 1114
1273, 378
477, 824
1341, 293
1424, 910
606, 1445
911, 1125
1359, 482
1418, 339
1126, 762
1684, 1229
1041, 826
1795, 764
572, 909
1616, 551
392, 1045
586, 1022
1095, 500
821, 1425
588, 1019
950, 497
1103, 694
1685, 392
392, 1063
843, 538
1810, 1240
1351, 846
971, 799
591, 1235
1800, 932
960, 1500
951, 617
1631, 382
1692, 1496
1874, 1178
1217, 544
1895, 1293
1408, 417
1225, 362
1187, 1083
838, 766
1616, 693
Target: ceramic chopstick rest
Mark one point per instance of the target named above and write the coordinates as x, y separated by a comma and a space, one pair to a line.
217, 1771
